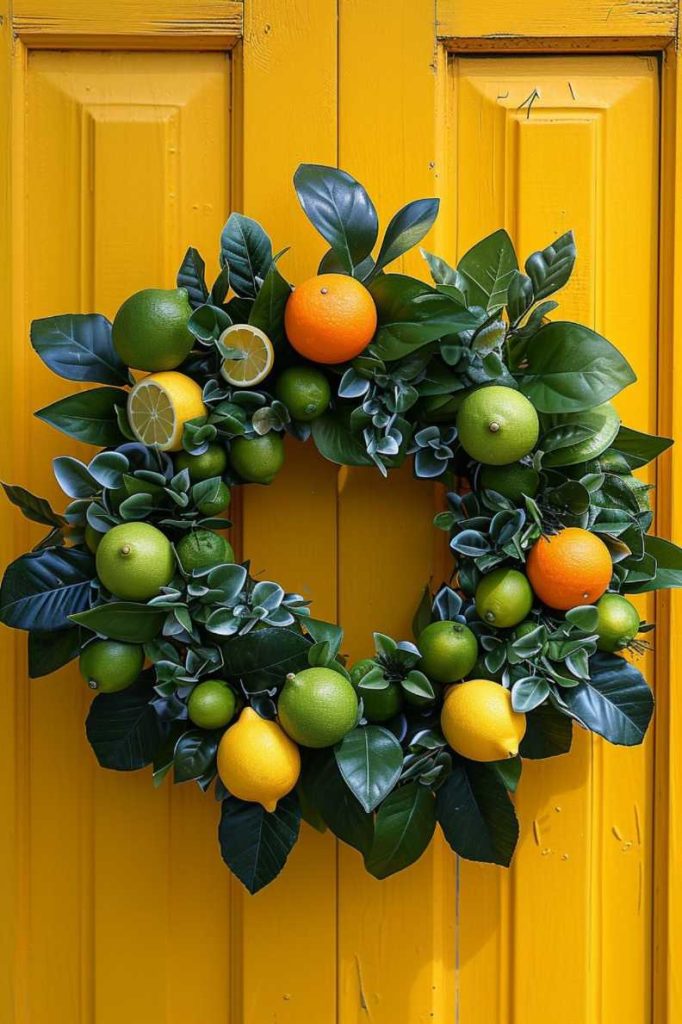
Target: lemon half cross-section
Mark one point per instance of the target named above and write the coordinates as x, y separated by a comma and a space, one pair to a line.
256, 359
159, 406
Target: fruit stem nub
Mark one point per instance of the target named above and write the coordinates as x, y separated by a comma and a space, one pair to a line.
125, 550
290, 676
494, 427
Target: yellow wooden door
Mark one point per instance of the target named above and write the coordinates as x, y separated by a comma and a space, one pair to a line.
135, 129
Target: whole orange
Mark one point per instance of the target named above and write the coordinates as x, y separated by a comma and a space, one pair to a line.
330, 318
570, 568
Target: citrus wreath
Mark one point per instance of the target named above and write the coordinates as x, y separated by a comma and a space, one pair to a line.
228, 680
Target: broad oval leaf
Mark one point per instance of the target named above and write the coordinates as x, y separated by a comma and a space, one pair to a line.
403, 829
550, 268
123, 620
668, 559
124, 730
476, 814
407, 227
615, 702
247, 250
548, 733
90, 416
73, 477
333, 800
334, 440
264, 658
267, 311
49, 651
42, 589
194, 754
487, 269
255, 843
370, 759
340, 209
637, 448
78, 346
529, 692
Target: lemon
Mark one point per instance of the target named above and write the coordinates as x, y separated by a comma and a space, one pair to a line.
510, 481
257, 761
256, 359
317, 707
218, 503
212, 462
497, 425
305, 391
478, 721
150, 329
449, 651
134, 561
603, 420
258, 459
201, 549
503, 598
618, 622
109, 665
211, 704
159, 406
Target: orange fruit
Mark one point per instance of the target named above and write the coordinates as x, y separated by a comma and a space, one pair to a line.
570, 568
330, 318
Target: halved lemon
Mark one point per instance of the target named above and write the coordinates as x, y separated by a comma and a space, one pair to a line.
159, 406
256, 359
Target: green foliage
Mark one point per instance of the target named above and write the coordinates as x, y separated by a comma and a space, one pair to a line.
90, 416
247, 251
78, 346
255, 843
124, 730
42, 590
477, 817
404, 826
369, 759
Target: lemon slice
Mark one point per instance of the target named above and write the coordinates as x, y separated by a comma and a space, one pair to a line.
257, 359
159, 406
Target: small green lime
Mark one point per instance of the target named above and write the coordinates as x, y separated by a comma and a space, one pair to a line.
317, 707
258, 459
380, 705
150, 330
604, 423
212, 462
201, 549
305, 391
92, 538
503, 598
211, 704
448, 649
110, 665
497, 425
360, 669
618, 622
524, 628
510, 481
134, 561
217, 503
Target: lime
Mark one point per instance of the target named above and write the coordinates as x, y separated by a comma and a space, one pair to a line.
497, 425
159, 406
255, 358
201, 549
217, 503
258, 459
360, 669
524, 628
134, 561
510, 481
109, 665
211, 704
503, 598
317, 707
150, 329
92, 538
305, 392
212, 462
448, 649
618, 622
380, 705
603, 420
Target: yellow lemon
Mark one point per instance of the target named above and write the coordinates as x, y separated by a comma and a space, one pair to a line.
159, 406
479, 723
257, 761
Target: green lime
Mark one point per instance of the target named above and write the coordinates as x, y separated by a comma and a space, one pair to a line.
150, 329
603, 420
360, 669
380, 705
497, 425
440, 408
92, 538
524, 628
618, 622
317, 707
448, 649
134, 561
211, 704
503, 598
258, 459
201, 549
109, 665
212, 462
305, 391
510, 481
217, 503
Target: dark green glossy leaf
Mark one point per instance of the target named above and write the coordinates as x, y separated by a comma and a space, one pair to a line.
407, 227
548, 733
191, 277
334, 801
194, 754
476, 814
255, 843
443, 273
334, 440
370, 759
550, 268
637, 448
247, 250
616, 702
403, 829
49, 651
90, 416
325, 632
42, 589
123, 620
74, 478
487, 270
267, 312
38, 510
263, 658
508, 772
668, 566
519, 295
529, 692
78, 346
124, 730
340, 209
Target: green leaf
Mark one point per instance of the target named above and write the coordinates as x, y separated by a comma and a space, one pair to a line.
637, 448
247, 250
49, 651
412, 314
508, 772
487, 270
41, 590
407, 227
267, 312
194, 754
124, 730
550, 268
616, 702
443, 273
336, 804
73, 477
571, 368
370, 759
255, 843
548, 733
340, 209
325, 632
668, 566
90, 416
585, 616
529, 692
38, 510
78, 346
422, 616
476, 814
403, 829
263, 658
123, 620
334, 440
191, 277
519, 296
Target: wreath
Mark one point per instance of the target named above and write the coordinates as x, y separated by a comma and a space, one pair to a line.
229, 681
